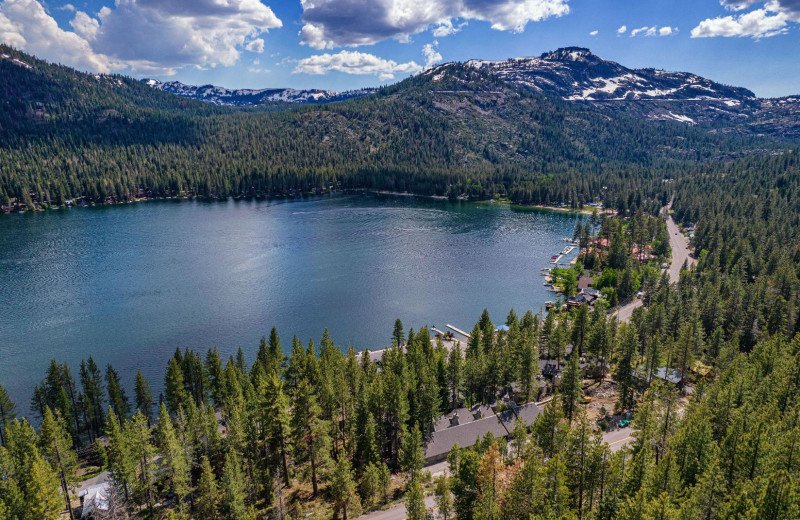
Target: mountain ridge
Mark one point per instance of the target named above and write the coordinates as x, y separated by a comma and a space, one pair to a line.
217, 95
576, 75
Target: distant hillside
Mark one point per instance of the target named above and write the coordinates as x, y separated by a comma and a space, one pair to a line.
457, 130
248, 97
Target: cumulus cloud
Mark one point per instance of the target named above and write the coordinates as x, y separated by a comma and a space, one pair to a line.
256, 45
773, 19
594, 33
26, 25
171, 34
790, 6
447, 28
152, 36
350, 23
651, 31
354, 62
622, 29
431, 53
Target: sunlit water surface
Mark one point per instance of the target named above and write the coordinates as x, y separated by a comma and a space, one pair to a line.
128, 284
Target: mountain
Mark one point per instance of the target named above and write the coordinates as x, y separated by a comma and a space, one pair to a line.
248, 97
575, 74
457, 130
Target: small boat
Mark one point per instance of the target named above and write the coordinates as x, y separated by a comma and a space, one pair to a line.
553, 257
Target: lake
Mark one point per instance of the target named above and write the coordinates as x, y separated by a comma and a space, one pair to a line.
127, 284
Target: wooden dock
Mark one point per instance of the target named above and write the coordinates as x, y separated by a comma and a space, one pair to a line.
457, 330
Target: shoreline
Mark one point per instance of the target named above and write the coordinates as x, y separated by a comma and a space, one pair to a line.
183, 198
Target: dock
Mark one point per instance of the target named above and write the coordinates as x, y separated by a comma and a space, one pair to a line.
457, 330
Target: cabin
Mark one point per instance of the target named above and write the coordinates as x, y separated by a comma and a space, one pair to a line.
466, 426
94, 498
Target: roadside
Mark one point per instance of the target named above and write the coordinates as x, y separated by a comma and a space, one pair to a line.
680, 253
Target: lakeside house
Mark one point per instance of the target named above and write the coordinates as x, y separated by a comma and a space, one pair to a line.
465, 427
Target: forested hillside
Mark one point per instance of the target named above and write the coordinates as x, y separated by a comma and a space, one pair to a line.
66, 135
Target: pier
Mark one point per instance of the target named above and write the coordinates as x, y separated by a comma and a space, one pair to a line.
457, 330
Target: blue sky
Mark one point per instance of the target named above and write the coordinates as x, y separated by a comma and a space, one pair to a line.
347, 44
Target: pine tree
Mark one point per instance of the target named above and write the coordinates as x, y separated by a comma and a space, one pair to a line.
7, 412
117, 399
398, 336
411, 457
415, 500
92, 387
233, 487
43, 499
56, 446
570, 387
174, 387
455, 374
143, 396
143, 453
213, 370
174, 457
206, 500
625, 362
277, 423
488, 483
121, 461
310, 433
342, 485
369, 487
444, 498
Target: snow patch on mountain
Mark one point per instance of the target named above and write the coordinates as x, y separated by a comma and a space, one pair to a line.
575, 74
216, 95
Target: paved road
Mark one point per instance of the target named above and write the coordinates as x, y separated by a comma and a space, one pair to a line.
680, 249
618, 439
97, 479
680, 254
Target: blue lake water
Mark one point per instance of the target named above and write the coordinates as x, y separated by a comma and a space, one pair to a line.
127, 284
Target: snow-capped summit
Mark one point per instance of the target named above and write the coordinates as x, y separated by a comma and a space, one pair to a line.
245, 97
575, 74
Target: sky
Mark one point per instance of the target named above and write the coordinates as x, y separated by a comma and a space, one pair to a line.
350, 44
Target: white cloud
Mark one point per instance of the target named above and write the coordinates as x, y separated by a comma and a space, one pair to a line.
771, 20
447, 28
354, 62
171, 34
66, 7
337, 23
26, 25
431, 53
256, 46
622, 29
145, 36
651, 31
594, 33
85, 25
